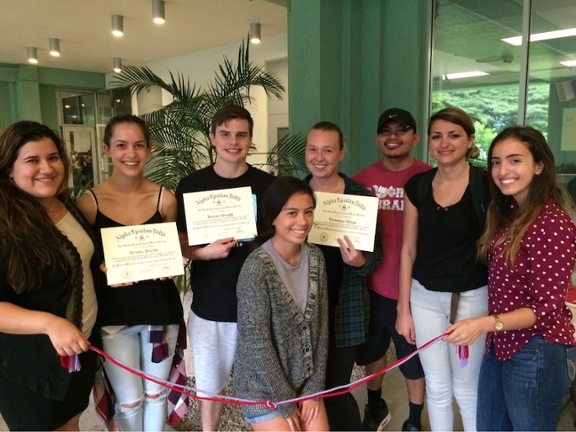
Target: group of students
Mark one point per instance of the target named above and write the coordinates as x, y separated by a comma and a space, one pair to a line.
483, 259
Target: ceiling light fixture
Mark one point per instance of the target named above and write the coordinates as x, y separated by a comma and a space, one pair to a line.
117, 65
117, 25
569, 63
557, 34
54, 47
470, 74
32, 55
158, 11
255, 33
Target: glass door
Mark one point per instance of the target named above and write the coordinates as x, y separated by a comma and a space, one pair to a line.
81, 145
83, 118
105, 166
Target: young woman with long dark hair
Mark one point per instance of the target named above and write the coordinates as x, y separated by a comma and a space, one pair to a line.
282, 315
529, 243
48, 304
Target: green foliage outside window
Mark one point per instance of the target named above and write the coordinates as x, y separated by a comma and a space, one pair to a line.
495, 108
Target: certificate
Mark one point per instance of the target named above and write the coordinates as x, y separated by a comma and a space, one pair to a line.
218, 214
337, 215
139, 252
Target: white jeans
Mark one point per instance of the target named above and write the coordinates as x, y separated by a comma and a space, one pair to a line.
445, 378
130, 345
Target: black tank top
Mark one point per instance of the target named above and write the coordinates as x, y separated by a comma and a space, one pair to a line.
152, 302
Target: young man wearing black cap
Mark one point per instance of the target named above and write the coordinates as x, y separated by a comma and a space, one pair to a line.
396, 135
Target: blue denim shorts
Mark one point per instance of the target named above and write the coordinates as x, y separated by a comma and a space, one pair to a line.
261, 418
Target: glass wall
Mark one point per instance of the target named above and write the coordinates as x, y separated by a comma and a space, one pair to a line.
83, 119
482, 64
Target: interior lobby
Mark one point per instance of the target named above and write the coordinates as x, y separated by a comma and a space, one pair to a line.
505, 62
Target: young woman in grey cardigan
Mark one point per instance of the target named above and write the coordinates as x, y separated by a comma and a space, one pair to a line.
282, 315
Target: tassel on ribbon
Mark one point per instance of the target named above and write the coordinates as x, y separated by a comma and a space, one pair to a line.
463, 355
72, 363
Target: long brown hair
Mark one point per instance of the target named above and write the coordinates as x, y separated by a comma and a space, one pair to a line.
542, 187
29, 241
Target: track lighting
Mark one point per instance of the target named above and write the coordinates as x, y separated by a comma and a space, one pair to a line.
54, 47
158, 11
32, 55
255, 33
117, 25
117, 65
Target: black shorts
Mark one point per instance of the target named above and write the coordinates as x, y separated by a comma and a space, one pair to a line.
382, 329
24, 409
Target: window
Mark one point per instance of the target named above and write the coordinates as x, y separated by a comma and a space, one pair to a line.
478, 68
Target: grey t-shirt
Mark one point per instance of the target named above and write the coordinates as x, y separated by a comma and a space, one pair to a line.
295, 278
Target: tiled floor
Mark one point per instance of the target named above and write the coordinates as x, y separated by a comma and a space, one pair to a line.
394, 392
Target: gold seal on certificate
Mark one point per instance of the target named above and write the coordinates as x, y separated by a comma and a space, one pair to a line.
140, 252
218, 214
337, 215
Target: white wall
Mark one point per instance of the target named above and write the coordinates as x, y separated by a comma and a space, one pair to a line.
278, 109
200, 68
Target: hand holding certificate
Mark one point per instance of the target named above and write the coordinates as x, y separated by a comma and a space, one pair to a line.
218, 214
140, 252
337, 215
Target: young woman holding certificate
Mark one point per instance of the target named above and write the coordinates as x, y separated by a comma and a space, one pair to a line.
48, 302
141, 318
348, 299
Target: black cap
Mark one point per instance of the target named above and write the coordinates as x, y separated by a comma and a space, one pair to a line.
403, 117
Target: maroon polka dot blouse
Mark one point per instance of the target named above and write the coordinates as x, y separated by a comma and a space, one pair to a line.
539, 280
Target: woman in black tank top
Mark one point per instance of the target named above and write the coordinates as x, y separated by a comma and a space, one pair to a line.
440, 278
139, 320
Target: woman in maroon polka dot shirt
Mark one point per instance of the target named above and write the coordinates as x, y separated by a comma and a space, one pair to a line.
530, 245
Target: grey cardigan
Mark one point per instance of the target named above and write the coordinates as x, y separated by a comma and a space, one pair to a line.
281, 352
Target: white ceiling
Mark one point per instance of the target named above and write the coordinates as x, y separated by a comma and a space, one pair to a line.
87, 44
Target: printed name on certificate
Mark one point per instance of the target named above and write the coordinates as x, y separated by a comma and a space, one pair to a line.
337, 215
218, 214
139, 252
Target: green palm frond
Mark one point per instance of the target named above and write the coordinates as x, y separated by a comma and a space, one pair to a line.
181, 88
134, 79
287, 156
234, 81
180, 131
179, 147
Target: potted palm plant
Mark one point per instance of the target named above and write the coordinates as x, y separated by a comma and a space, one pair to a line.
180, 130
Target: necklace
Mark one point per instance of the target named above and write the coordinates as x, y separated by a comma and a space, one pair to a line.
448, 202
445, 191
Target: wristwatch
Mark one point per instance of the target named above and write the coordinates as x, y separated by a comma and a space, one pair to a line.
498, 325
